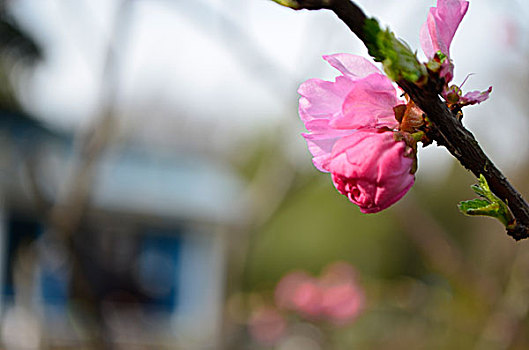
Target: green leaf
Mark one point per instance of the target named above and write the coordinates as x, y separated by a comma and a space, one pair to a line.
488, 205
441, 56
372, 31
478, 207
399, 61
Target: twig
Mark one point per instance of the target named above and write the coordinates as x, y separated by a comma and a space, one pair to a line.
446, 130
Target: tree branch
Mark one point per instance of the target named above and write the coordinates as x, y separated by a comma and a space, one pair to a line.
447, 130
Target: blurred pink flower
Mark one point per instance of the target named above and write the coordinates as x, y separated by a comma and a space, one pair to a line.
343, 300
342, 303
307, 298
334, 297
350, 123
439, 30
286, 289
299, 291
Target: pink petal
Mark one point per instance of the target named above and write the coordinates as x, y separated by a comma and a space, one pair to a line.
352, 66
371, 168
286, 288
441, 25
358, 150
322, 104
322, 99
393, 188
343, 302
474, 97
321, 142
425, 38
369, 104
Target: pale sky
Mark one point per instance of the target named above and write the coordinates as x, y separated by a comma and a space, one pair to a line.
234, 65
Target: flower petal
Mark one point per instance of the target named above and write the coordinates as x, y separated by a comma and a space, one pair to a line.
321, 141
425, 38
441, 25
476, 96
352, 66
322, 104
322, 99
371, 168
369, 104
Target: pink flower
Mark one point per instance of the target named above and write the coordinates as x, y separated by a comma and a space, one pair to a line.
436, 36
327, 108
343, 300
351, 123
307, 298
439, 30
342, 303
372, 169
285, 292
334, 296
299, 291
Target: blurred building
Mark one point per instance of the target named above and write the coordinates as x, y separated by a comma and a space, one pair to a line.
147, 262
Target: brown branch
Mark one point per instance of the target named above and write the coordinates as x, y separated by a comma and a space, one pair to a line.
462, 145
447, 130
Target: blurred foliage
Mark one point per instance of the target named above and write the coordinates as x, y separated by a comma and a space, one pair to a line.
315, 226
449, 284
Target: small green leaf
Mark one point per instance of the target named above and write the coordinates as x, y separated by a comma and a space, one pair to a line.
479, 190
372, 31
436, 62
441, 57
477, 207
488, 205
482, 189
397, 58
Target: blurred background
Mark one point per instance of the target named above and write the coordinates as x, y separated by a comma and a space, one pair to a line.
155, 192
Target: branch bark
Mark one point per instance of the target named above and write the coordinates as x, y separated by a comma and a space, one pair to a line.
447, 130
